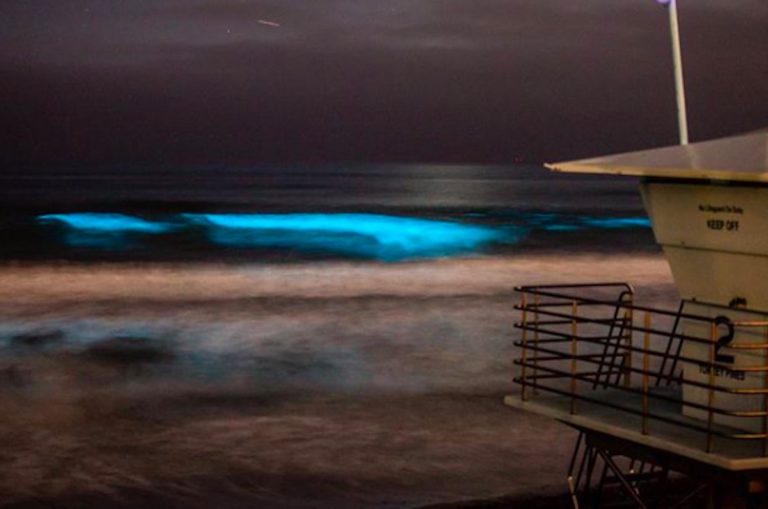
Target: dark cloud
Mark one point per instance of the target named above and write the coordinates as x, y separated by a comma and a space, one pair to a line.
437, 80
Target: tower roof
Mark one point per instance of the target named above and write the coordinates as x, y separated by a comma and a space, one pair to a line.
742, 158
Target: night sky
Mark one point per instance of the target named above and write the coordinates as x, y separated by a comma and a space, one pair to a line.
487, 81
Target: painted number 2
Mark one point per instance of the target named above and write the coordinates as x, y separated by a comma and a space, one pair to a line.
724, 340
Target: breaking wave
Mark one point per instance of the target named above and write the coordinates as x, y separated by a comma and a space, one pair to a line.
357, 235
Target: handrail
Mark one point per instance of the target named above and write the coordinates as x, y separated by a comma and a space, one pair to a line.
565, 327
533, 290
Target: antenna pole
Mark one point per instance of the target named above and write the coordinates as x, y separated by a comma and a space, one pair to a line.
682, 115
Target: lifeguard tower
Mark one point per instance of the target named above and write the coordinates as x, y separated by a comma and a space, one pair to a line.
658, 394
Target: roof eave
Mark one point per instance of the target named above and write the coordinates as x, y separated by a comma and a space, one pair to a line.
667, 173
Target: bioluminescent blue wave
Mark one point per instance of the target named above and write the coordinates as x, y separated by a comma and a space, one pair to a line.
106, 222
559, 227
617, 222
103, 230
573, 223
361, 235
388, 238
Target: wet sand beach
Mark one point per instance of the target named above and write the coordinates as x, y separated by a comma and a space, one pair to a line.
338, 384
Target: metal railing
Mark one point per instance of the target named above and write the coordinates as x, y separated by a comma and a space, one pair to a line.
579, 341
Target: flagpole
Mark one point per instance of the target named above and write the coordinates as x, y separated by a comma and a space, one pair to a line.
682, 115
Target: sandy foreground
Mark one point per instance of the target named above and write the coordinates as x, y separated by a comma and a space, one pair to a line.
323, 385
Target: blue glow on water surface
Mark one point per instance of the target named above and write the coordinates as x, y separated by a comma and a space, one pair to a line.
106, 222
388, 238
103, 230
571, 223
557, 222
559, 227
617, 222
358, 235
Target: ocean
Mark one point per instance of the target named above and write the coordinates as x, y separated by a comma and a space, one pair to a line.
355, 211
288, 336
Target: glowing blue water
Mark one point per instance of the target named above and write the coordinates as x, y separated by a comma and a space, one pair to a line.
106, 222
104, 230
373, 236
569, 223
617, 222
388, 238
562, 227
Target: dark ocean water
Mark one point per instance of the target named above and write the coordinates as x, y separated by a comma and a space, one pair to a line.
279, 213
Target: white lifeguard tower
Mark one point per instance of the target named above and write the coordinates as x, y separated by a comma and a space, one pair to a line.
656, 391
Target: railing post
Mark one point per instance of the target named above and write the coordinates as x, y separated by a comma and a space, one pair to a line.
630, 331
646, 369
765, 395
524, 354
535, 340
574, 353
711, 388
628, 348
